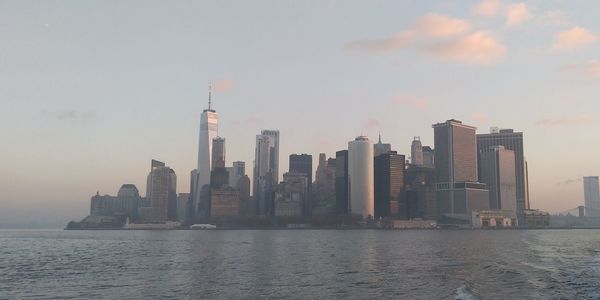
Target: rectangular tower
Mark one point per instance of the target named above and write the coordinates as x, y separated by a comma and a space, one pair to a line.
592, 196
497, 171
302, 164
389, 185
341, 181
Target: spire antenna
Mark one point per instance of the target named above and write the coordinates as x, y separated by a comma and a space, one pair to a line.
209, 95
380, 137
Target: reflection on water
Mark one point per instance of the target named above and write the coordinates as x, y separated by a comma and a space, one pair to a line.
300, 264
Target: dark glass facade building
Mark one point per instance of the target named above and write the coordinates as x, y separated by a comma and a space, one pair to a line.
302, 164
341, 182
389, 185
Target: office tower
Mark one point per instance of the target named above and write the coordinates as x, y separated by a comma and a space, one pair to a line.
323, 197
129, 199
511, 141
266, 166
291, 195
389, 185
224, 203
381, 148
208, 131
219, 177
161, 193
420, 184
428, 157
416, 152
302, 164
497, 171
457, 188
183, 207
218, 153
243, 186
342, 182
236, 171
360, 170
592, 196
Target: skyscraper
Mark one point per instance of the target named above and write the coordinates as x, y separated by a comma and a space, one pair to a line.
129, 200
497, 171
389, 185
457, 189
323, 197
416, 152
360, 171
161, 193
342, 183
208, 131
302, 164
266, 170
236, 171
511, 141
381, 148
591, 194
218, 153
428, 157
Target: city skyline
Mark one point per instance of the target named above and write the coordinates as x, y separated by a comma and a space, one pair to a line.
125, 113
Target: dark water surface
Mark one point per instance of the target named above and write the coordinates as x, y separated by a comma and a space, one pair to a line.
358, 264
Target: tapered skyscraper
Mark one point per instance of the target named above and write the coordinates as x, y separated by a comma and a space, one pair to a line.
209, 121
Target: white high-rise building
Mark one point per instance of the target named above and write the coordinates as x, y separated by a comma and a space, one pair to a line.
209, 121
591, 193
361, 177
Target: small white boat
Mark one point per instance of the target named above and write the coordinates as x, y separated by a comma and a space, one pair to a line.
203, 226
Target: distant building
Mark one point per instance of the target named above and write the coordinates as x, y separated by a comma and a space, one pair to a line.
236, 171
162, 194
511, 141
129, 201
533, 218
219, 177
224, 202
218, 153
291, 195
428, 157
302, 164
420, 185
266, 171
246, 205
592, 196
416, 152
209, 129
324, 186
342, 182
360, 171
497, 171
458, 191
183, 207
389, 185
102, 205
381, 148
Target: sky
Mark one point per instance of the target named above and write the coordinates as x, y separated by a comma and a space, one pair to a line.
91, 91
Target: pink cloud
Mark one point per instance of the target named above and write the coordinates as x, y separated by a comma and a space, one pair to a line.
224, 85
416, 102
476, 48
566, 121
517, 13
431, 25
574, 38
479, 117
488, 8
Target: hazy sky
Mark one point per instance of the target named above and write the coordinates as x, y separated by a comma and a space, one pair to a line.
91, 91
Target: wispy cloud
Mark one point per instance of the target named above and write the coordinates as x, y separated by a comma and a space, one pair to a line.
566, 121
431, 25
517, 13
479, 48
574, 38
589, 69
68, 114
414, 101
554, 17
224, 85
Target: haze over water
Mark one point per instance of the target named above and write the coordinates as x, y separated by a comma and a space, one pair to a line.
356, 264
